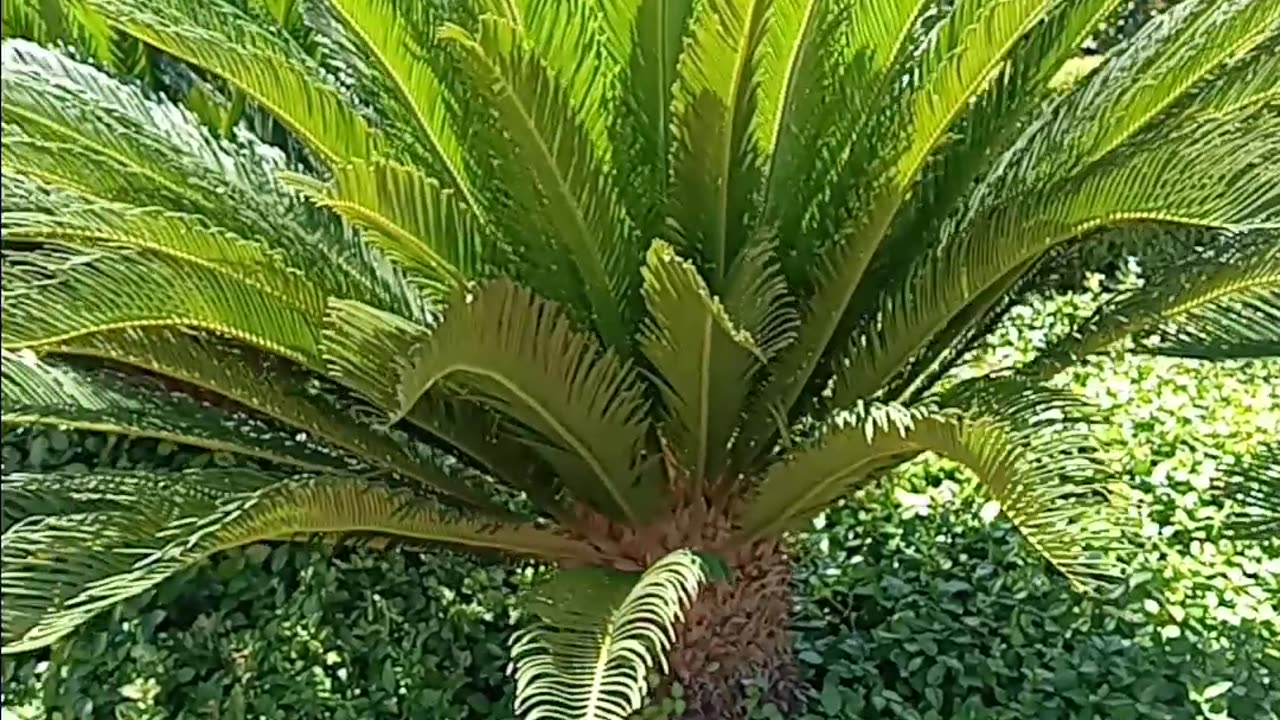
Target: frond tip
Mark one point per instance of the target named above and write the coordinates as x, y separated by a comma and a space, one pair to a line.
601, 636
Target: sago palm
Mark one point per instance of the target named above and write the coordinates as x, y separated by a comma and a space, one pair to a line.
631, 286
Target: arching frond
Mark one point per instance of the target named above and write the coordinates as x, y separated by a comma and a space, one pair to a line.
1214, 305
39, 392
72, 127
1253, 484
408, 216
271, 387
504, 346
955, 65
53, 295
602, 634
715, 160
643, 130
554, 187
38, 213
264, 65
365, 349
704, 359
397, 38
1025, 443
1223, 179
63, 567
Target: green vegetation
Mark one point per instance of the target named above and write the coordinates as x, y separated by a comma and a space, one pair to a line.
317, 632
629, 289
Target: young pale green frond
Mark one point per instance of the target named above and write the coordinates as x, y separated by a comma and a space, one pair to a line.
1253, 484
705, 360
603, 633
408, 216
271, 387
40, 392
1027, 446
1223, 305
53, 295
62, 569
506, 347
550, 181
398, 37
715, 161
261, 64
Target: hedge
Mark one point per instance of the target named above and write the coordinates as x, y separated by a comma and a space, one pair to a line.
914, 602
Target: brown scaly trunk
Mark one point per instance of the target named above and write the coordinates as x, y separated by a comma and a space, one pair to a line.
736, 634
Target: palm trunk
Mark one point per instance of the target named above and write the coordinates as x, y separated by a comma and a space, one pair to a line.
736, 636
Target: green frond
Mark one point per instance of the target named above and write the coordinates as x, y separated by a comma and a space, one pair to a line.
397, 38
53, 295
40, 392
715, 160
1170, 57
705, 361
63, 568
643, 130
72, 23
1213, 305
408, 216
573, 42
262, 64
271, 387
37, 213
1253, 485
603, 633
758, 299
365, 349
72, 127
955, 66
1223, 178
556, 190
1028, 446
504, 346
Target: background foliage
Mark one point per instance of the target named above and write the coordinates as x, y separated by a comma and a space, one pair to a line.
913, 605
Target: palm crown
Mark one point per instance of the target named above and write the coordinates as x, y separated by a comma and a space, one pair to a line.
595, 282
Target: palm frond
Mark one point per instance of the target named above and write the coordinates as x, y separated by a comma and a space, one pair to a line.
1223, 179
643, 129
410, 217
504, 346
954, 66
706, 362
41, 392
554, 188
602, 633
398, 38
72, 127
275, 389
54, 294
1027, 445
62, 568
1214, 305
1253, 485
365, 349
263, 65
715, 160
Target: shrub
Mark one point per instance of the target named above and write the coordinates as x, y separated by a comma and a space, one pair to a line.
914, 601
